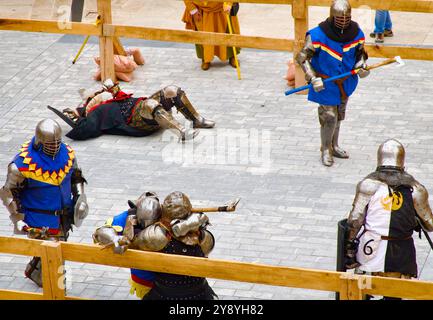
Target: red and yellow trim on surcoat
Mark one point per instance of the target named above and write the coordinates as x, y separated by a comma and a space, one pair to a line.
32, 171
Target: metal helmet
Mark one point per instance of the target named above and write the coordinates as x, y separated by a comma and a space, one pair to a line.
391, 154
48, 136
110, 86
148, 209
176, 206
341, 14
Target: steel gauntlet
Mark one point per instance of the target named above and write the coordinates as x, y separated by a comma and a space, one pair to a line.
351, 249
106, 235
81, 208
193, 223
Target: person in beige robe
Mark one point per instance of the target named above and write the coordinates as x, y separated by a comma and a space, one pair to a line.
212, 17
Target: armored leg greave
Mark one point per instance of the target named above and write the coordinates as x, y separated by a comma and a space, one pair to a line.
337, 151
166, 121
174, 96
328, 121
186, 108
34, 271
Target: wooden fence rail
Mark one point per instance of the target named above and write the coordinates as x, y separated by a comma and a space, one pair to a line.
54, 254
109, 34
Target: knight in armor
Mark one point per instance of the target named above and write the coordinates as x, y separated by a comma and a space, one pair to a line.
176, 231
334, 47
112, 111
44, 190
119, 232
389, 205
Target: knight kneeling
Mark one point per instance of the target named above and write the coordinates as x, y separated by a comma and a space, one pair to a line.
169, 228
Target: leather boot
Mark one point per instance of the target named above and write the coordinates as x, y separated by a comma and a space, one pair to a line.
337, 151
184, 106
166, 121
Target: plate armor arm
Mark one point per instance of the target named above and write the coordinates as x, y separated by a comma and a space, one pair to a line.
81, 208
361, 61
207, 242
303, 58
15, 182
153, 238
422, 206
107, 235
364, 191
77, 181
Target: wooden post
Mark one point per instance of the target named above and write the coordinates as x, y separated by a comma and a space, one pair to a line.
52, 271
106, 49
300, 15
354, 291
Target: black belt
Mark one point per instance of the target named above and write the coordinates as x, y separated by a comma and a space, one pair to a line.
50, 212
395, 239
191, 289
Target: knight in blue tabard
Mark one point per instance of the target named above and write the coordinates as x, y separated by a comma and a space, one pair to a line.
334, 47
172, 228
120, 230
44, 190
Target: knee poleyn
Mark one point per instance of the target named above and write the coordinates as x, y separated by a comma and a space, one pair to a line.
170, 91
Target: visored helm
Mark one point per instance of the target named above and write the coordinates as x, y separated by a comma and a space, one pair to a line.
148, 209
48, 136
341, 14
391, 154
176, 206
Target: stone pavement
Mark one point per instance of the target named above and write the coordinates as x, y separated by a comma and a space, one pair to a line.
265, 149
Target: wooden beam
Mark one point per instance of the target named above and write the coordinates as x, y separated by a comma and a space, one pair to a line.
385, 51
106, 46
287, 2
391, 287
201, 267
25, 247
300, 16
118, 47
75, 298
407, 5
210, 38
350, 287
48, 27
20, 295
52, 270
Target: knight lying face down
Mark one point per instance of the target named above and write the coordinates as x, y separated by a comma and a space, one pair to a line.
112, 111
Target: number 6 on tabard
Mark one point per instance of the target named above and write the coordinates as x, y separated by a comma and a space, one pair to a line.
367, 249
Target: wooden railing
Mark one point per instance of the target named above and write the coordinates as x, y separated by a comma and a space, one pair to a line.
54, 254
109, 33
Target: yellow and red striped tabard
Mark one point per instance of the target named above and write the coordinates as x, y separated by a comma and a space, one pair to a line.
353, 44
34, 169
335, 54
332, 58
331, 52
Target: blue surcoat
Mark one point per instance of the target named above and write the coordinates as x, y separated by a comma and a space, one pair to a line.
333, 58
48, 184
